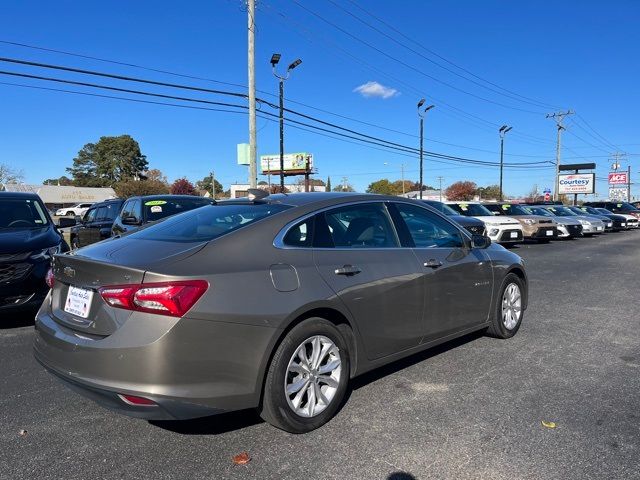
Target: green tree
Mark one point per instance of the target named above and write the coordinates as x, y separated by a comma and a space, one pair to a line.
110, 160
155, 174
492, 192
344, 187
131, 188
62, 181
328, 184
384, 187
182, 186
205, 184
461, 191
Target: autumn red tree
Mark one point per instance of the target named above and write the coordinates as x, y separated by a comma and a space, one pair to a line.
461, 191
182, 186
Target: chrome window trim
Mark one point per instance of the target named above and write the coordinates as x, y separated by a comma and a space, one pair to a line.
278, 241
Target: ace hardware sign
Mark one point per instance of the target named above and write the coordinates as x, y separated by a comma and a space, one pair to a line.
618, 178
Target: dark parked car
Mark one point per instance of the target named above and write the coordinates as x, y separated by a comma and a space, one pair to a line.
473, 225
618, 222
96, 223
273, 303
623, 208
28, 241
138, 211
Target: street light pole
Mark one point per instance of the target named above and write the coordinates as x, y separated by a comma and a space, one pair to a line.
503, 129
275, 58
421, 116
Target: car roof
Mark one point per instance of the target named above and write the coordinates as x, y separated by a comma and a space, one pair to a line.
20, 195
168, 195
309, 198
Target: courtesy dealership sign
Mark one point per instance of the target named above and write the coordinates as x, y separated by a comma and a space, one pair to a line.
577, 183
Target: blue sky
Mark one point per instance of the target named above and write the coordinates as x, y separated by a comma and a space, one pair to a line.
579, 55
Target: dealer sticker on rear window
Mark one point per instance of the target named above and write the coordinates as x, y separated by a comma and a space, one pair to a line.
156, 209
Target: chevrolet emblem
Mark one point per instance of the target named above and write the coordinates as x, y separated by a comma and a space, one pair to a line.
69, 272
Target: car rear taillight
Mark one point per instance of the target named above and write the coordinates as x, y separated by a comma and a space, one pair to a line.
166, 298
137, 401
49, 278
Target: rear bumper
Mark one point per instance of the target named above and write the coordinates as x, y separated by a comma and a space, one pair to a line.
189, 368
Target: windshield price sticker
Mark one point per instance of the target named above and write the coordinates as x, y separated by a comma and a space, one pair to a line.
156, 209
151, 203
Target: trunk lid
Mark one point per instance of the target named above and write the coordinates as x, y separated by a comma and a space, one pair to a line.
75, 300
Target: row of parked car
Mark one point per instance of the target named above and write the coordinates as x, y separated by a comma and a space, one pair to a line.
509, 223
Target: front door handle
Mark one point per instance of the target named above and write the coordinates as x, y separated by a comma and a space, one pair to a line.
347, 270
433, 263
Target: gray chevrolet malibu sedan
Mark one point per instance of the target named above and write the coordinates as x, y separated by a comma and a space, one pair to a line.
272, 303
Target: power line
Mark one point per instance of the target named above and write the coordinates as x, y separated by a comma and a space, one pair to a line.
400, 33
439, 158
406, 65
396, 41
173, 85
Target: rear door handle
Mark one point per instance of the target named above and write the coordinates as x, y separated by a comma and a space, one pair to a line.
433, 263
347, 270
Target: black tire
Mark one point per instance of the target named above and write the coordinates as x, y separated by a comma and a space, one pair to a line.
497, 328
275, 408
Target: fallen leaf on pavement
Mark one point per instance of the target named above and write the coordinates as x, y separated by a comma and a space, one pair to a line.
22, 433
241, 459
549, 424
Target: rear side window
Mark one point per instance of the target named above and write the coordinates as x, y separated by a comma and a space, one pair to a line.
90, 216
300, 235
208, 223
360, 226
101, 213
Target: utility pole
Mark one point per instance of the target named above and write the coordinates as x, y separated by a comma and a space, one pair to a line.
629, 183
401, 175
275, 58
616, 165
421, 116
558, 117
213, 185
344, 184
503, 130
440, 187
253, 147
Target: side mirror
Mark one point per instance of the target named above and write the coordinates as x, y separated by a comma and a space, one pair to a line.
65, 222
480, 241
130, 221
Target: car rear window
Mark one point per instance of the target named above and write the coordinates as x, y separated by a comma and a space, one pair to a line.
208, 222
165, 207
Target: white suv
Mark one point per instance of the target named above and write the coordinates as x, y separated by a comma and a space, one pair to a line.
78, 210
499, 229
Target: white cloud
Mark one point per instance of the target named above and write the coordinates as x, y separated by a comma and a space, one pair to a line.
375, 89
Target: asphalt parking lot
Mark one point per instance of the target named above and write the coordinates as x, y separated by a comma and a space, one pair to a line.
469, 409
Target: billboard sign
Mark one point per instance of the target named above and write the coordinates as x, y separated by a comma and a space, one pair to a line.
294, 163
618, 178
618, 194
577, 183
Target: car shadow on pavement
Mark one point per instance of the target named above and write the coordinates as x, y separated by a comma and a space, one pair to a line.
17, 318
213, 425
381, 372
401, 476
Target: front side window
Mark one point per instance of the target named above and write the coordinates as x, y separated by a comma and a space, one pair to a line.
359, 226
90, 216
428, 230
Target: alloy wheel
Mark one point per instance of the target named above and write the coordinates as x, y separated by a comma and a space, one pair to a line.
511, 306
313, 376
